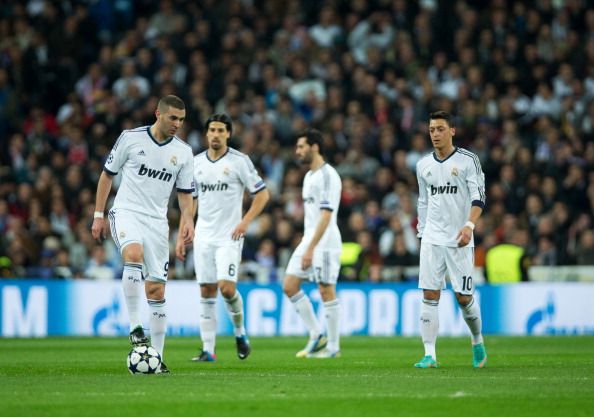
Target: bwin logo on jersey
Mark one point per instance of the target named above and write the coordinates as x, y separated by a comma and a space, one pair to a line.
444, 189
162, 175
219, 186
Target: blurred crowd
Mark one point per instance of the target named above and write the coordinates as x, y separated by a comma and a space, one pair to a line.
518, 75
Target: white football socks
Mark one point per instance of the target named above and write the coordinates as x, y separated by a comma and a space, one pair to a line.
133, 287
472, 315
158, 324
429, 326
332, 312
235, 310
305, 310
208, 324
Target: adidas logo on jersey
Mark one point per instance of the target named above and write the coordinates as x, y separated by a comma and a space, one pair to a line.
219, 186
162, 175
141, 153
444, 189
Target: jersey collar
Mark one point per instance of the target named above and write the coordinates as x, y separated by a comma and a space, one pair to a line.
217, 160
448, 157
148, 130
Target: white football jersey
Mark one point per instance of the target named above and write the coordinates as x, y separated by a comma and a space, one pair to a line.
149, 171
447, 190
219, 187
321, 191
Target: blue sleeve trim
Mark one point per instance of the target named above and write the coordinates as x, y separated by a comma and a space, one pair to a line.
110, 173
183, 190
257, 191
478, 203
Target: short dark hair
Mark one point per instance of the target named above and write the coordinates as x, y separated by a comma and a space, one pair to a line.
440, 114
313, 137
171, 101
222, 118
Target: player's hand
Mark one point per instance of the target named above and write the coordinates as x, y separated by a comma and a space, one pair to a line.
180, 249
186, 233
306, 260
239, 232
464, 236
99, 229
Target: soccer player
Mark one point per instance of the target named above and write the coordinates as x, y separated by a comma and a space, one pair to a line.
451, 199
221, 175
151, 159
317, 257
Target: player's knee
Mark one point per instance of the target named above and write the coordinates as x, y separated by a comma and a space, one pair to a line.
431, 295
208, 290
228, 291
291, 286
155, 290
133, 253
463, 300
327, 292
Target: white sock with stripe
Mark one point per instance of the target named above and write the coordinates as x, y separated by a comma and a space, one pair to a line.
429, 326
305, 310
472, 315
208, 324
158, 323
132, 286
235, 310
332, 313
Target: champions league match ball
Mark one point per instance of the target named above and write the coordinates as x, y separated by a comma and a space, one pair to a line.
143, 360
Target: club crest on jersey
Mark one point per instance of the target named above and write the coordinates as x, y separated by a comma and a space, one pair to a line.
173, 160
122, 235
226, 171
444, 189
455, 172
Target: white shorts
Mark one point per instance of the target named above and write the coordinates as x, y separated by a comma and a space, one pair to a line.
325, 265
437, 261
153, 234
218, 261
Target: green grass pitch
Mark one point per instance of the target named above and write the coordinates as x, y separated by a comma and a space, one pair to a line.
526, 376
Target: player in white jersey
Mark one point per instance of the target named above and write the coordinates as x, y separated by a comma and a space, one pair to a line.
151, 160
317, 257
451, 199
221, 175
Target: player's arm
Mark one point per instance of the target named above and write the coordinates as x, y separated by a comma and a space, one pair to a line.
99, 227
187, 205
421, 204
325, 217
476, 188
258, 203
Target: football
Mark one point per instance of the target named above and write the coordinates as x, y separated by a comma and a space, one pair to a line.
143, 360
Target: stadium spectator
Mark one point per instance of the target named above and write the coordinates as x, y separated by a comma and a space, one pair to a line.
521, 81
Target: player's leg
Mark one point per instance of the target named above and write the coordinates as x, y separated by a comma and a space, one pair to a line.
157, 306
156, 259
462, 282
204, 267
234, 304
302, 303
124, 230
227, 259
431, 281
326, 266
208, 323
